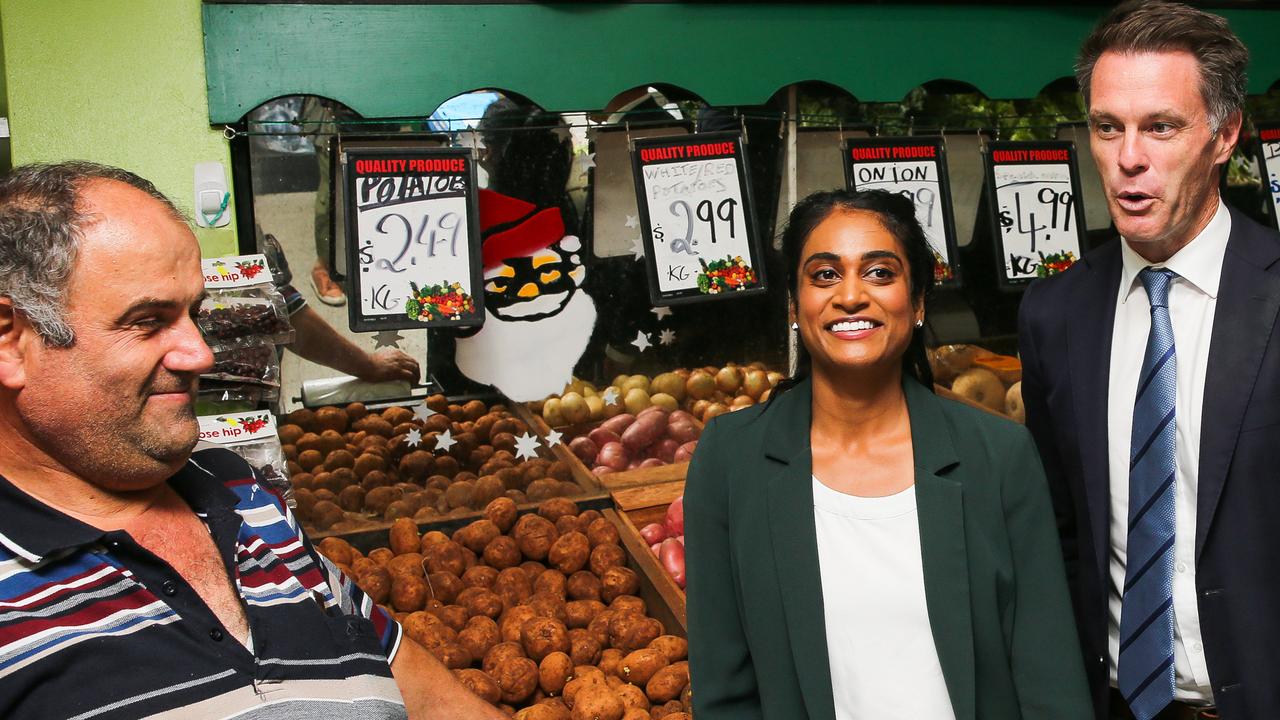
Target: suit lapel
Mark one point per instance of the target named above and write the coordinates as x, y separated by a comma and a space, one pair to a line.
795, 548
1248, 300
1089, 357
940, 511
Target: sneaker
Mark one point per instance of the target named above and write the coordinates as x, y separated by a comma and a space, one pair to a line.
327, 291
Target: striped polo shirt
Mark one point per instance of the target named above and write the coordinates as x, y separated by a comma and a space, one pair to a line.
94, 626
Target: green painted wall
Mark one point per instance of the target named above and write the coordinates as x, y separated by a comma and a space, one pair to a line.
114, 81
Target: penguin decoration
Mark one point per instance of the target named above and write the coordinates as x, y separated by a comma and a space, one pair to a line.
539, 319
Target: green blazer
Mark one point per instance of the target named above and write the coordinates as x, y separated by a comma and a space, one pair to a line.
993, 575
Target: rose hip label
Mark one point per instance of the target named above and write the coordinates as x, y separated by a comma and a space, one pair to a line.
237, 428
235, 271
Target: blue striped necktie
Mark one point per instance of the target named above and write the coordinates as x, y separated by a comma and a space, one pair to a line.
1145, 668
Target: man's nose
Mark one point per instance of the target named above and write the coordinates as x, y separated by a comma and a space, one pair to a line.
189, 352
1133, 155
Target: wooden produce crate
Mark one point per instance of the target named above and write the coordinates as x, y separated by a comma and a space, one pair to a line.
637, 507
610, 481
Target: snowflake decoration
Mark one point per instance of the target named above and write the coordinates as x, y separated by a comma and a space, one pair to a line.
661, 311
642, 342
527, 446
421, 412
553, 438
637, 248
667, 337
610, 396
633, 222
387, 338
413, 438
445, 440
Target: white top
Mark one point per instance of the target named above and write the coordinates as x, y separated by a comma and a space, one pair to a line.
884, 665
1193, 298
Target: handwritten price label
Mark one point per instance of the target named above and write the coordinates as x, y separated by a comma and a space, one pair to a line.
411, 217
1037, 208
696, 216
1270, 139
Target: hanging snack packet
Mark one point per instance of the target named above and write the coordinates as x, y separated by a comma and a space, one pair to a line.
252, 436
243, 303
251, 362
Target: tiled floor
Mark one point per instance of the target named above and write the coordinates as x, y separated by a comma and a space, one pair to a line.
290, 217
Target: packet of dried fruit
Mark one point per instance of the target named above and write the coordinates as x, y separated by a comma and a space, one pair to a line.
243, 303
253, 362
252, 436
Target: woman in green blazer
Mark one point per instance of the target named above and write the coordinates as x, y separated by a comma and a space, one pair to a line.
952, 605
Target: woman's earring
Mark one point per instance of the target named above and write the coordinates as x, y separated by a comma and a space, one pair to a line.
920, 323
795, 326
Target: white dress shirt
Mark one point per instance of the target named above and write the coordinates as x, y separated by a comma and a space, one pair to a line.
1193, 298
884, 663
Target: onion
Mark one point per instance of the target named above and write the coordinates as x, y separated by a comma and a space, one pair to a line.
653, 533
675, 517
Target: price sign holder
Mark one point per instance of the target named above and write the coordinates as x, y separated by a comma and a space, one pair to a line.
697, 218
413, 249
1269, 164
916, 167
1037, 217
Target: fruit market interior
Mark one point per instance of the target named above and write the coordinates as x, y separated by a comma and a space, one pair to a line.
569, 216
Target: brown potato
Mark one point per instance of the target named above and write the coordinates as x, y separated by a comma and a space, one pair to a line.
479, 636
605, 556
584, 677
569, 553
551, 581
532, 568
629, 631
549, 709
445, 557
617, 581
502, 511
597, 703
480, 601
601, 531
339, 459
599, 627
452, 656
502, 552
480, 576
554, 671
369, 462
337, 550
378, 499
568, 524
477, 535
375, 479
584, 649
455, 616
427, 630
310, 459
517, 677
498, 653
611, 661
325, 514
632, 698
511, 624
638, 666
331, 440
542, 636
408, 593
480, 683
404, 537
351, 499
579, 613
460, 494
397, 415
667, 684
547, 606
487, 489
673, 647
381, 555
543, 489
513, 586
444, 587
582, 585
629, 603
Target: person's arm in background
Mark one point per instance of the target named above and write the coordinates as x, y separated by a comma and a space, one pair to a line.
430, 690
720, 665
316, 340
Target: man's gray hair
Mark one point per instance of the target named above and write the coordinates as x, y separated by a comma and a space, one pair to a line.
41, 219
1143, 26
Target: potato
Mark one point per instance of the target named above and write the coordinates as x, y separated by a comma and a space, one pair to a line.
428, 631
629, 603
611, 662
617, 581
570, 552
584, 678
584, 448
502, 552
617, 424
630, 631
444, 587
445, 557
542, 636
337, 550
675, 648
599, 627
553, 672
404, 537
614, 456
517, 678
583, 585
632, 697
511, 624
552, 582
325, 514
452, 656
584, 649
408, 593
685, 452
477, 536
557, 508
640, 665
479, 636
480, 576
668, 683
597, 703
480, 602
544, 710
534, 535
351, 499
502, 511
977, 384
499, 653
579, 613
480, 683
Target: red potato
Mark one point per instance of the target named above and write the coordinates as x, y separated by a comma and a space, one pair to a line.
671, 554
650, 411
653, 533
683, 432
655, 547
602, 470
685, 453
674, 522
635, 463
584, 448
602, 437
645, 431
665, 450
681, 416
618, 423
614, 455
651, 462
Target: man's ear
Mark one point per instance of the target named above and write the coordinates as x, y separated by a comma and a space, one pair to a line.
15, 333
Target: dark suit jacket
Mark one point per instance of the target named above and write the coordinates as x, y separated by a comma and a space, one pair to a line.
994, 584
1065, 328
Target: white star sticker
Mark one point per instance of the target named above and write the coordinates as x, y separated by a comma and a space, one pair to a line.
642, 341
553, 438
610, 396
661, 311
413, 438
527, 446
633, 221
445, 440
422, 412
387, 338
667, 337
588, 160
637, 248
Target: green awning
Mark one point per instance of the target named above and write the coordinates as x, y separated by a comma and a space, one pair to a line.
405, 60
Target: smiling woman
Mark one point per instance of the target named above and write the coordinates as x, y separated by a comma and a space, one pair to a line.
863, 494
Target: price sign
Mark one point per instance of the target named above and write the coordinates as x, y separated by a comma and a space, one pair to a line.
1269, 160
1033, 190
915, 167
414, 250
697, 218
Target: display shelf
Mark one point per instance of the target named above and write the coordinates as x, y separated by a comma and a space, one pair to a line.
637, 507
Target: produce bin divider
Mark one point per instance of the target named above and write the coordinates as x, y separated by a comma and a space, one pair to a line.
665, 600
581, 473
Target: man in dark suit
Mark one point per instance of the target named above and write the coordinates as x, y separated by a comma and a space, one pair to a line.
1152, 386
